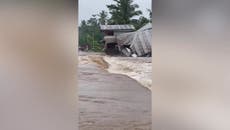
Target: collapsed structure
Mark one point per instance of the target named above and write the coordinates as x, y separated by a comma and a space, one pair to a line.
110, 36
123, 39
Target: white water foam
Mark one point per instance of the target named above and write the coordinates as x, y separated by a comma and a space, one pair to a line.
139, 68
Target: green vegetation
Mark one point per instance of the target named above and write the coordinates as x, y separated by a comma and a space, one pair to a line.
103, 17
90, 35
122, 12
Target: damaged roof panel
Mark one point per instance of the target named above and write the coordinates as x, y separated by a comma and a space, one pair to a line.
139, 41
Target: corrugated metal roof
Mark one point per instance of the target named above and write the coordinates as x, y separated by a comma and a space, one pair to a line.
146, 27
117, 27
139, 41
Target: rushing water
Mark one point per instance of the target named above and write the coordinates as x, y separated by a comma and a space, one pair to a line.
138, 68
106, 99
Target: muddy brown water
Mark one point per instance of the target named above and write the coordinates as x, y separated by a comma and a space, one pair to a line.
112, 101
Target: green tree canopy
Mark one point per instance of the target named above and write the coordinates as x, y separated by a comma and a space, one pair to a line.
138, 23
103, 17
150, 14
89, 34
123, 11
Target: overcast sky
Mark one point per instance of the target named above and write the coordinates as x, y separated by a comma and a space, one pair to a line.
89, 7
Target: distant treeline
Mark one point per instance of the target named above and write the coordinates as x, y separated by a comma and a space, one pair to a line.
122, 12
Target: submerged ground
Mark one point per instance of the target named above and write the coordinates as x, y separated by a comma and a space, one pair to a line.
111, 101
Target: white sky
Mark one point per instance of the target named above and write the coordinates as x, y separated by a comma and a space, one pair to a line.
89, 7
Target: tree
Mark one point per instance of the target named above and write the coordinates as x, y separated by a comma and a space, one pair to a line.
83, 23
138, 23
89, 34
123, 11
93, 22
150, 14
102, 17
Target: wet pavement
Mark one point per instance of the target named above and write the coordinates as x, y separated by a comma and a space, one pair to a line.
112, 101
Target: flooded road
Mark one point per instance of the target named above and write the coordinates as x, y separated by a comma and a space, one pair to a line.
111, 101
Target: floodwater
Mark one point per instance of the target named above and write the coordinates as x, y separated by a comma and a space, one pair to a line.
111, 101
139, 68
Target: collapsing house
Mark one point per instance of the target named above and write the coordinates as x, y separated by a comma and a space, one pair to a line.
110, 36
122, 39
